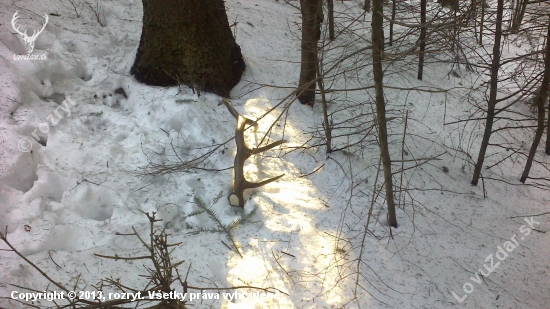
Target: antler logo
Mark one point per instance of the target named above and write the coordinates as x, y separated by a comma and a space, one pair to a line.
29, 40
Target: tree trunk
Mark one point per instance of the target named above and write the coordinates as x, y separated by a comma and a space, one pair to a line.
366, 6
377, 50
495, 66
512, 9
312, 16
326, 122
188, 42
518, 16
455, 29
422, 38
330, 9
393, 12
452, 4
481, 23
541, 98
548, 130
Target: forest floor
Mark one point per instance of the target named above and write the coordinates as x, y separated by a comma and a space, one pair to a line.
65, 194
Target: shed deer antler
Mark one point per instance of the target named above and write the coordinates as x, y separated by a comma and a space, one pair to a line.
29, 40
240, 183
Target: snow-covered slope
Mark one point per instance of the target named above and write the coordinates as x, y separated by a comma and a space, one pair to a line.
89, 132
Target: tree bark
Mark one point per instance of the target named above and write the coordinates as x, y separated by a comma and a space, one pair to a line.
326, 122
455, 30
481, 23
188, 42
519, 12
548, 128
541, 98
330, 9
366, 6
548, 132
312, 16
377, 51
422, 38
495, 66
452, 4
393, 12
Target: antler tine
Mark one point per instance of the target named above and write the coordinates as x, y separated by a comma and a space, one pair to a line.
47, 18
35, 33
235, 114
252, 185
15, 27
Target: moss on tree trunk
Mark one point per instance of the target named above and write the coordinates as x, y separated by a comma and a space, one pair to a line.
188, 42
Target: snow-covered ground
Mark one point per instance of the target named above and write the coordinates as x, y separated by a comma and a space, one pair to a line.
88, 129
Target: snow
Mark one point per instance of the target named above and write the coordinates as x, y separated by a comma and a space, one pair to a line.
82, 180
